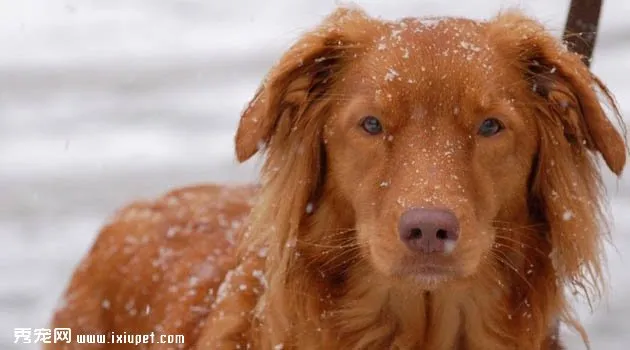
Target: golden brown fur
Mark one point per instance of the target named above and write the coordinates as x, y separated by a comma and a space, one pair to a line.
320, 265
156, 267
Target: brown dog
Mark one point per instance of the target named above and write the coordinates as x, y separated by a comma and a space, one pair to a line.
429, 184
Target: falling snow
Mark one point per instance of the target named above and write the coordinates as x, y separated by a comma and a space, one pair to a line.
567, 215
309, 208
391, 74
469, 46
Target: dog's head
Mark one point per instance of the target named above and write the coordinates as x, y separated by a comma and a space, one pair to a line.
436, 141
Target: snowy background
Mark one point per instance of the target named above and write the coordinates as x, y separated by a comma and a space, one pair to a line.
104, 101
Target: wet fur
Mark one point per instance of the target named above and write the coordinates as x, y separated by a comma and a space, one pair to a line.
307, 263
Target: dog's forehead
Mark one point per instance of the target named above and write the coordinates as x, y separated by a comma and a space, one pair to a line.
445, 37
429, 50
430, 63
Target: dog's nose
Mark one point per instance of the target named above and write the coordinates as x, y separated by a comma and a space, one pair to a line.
426, 230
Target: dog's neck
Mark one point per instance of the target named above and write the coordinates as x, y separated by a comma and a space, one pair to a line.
511, 306
480, 316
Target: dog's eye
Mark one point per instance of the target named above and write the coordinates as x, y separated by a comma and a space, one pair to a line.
371, 125
490, 127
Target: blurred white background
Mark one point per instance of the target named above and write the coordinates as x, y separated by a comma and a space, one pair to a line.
104, 101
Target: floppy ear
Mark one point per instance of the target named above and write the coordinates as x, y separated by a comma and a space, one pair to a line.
570, 92
300, 80
287, 116
565, 191
286, 119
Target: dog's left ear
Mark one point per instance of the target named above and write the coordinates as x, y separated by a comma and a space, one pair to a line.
568, 89
300, 80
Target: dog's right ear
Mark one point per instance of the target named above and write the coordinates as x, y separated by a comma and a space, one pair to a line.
571, 99
302, 76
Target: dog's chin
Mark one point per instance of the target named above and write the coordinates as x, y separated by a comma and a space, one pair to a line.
427, 278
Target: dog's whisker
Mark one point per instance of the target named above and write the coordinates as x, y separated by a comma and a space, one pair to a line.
516, 243
506, 261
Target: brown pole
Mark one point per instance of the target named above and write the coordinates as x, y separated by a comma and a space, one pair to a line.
580, 32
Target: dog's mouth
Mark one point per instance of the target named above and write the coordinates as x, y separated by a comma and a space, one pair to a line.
428, 272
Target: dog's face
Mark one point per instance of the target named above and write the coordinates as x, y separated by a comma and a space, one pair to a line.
431, 146
432, 134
